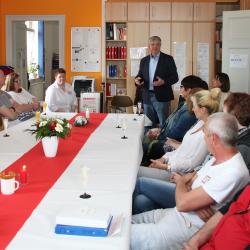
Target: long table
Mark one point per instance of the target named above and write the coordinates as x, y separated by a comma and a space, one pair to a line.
113, 164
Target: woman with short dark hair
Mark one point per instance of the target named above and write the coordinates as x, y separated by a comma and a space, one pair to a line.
222, 81
60, 96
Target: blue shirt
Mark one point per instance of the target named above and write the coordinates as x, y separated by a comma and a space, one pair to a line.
152, 67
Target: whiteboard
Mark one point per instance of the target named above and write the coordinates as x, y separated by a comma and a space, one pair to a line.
85, 49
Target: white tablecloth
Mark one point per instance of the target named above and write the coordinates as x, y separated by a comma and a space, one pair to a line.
113, 164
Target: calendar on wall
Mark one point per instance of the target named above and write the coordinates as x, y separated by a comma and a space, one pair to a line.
85, 49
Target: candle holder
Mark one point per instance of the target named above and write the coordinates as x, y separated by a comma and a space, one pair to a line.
23, 176
85, 196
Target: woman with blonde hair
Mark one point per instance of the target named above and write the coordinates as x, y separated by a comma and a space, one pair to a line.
19, 94
193, 150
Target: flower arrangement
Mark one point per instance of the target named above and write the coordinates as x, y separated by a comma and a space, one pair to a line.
49, 127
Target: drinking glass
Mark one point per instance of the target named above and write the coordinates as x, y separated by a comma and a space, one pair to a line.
5, 125
118, 121
139, 104
124, 127
38, 116
44, 107
85, 178
134, 111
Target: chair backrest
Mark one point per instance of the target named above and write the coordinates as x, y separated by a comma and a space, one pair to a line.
121, 101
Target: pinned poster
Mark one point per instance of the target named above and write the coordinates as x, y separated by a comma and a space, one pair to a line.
85, 49
203, 61
179, 53
238, 61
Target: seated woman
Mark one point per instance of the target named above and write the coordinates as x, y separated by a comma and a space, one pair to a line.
8, 106
60, 96
161, 194
19, 94
177, 124
193, 150
222, 81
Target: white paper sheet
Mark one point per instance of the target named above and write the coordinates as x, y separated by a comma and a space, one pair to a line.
238, 61
203, 61
180, 61
86, 49
138, 53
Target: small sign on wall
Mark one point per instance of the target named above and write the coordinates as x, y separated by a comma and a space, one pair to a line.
238, 61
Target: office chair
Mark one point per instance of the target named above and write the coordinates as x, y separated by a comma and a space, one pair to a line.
120, 103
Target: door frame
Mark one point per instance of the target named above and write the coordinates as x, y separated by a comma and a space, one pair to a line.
9, 33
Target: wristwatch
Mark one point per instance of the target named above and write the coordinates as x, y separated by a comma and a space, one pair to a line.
168, 168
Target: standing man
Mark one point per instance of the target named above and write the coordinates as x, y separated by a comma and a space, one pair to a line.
156, 75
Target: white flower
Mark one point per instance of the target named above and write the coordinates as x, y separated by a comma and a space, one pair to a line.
42, 123
67, 125
59, 128
59, 121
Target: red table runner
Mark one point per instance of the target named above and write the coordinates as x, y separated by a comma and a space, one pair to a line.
43, 173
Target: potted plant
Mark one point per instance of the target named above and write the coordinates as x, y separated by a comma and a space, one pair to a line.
49, 130
33, 70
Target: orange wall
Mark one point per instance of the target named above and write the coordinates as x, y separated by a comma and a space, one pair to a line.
77, 13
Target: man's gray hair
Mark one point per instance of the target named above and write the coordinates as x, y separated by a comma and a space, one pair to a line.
154, 38
225, 126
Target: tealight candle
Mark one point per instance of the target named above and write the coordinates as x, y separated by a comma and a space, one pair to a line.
23, 175
87, 114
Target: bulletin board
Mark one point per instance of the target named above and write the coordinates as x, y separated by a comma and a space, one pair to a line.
85, 49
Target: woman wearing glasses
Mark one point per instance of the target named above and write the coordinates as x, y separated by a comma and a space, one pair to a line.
19, 94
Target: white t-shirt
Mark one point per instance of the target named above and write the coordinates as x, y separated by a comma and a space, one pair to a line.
56, 98
192, 151
23, 97
221, 182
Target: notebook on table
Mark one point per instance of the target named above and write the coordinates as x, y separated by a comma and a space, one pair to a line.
85, 221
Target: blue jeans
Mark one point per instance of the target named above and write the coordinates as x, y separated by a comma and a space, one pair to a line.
151, 194
156, 110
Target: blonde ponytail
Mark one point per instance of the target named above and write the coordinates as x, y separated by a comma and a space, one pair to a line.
209, 99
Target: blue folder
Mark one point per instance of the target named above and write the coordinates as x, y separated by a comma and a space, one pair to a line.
82, 231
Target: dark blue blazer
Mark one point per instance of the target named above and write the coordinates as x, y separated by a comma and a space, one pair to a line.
165, 69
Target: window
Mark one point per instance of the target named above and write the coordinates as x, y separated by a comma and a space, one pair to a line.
35, 41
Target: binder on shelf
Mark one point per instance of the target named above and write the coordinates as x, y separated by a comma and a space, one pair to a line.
110, 89
115, 31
